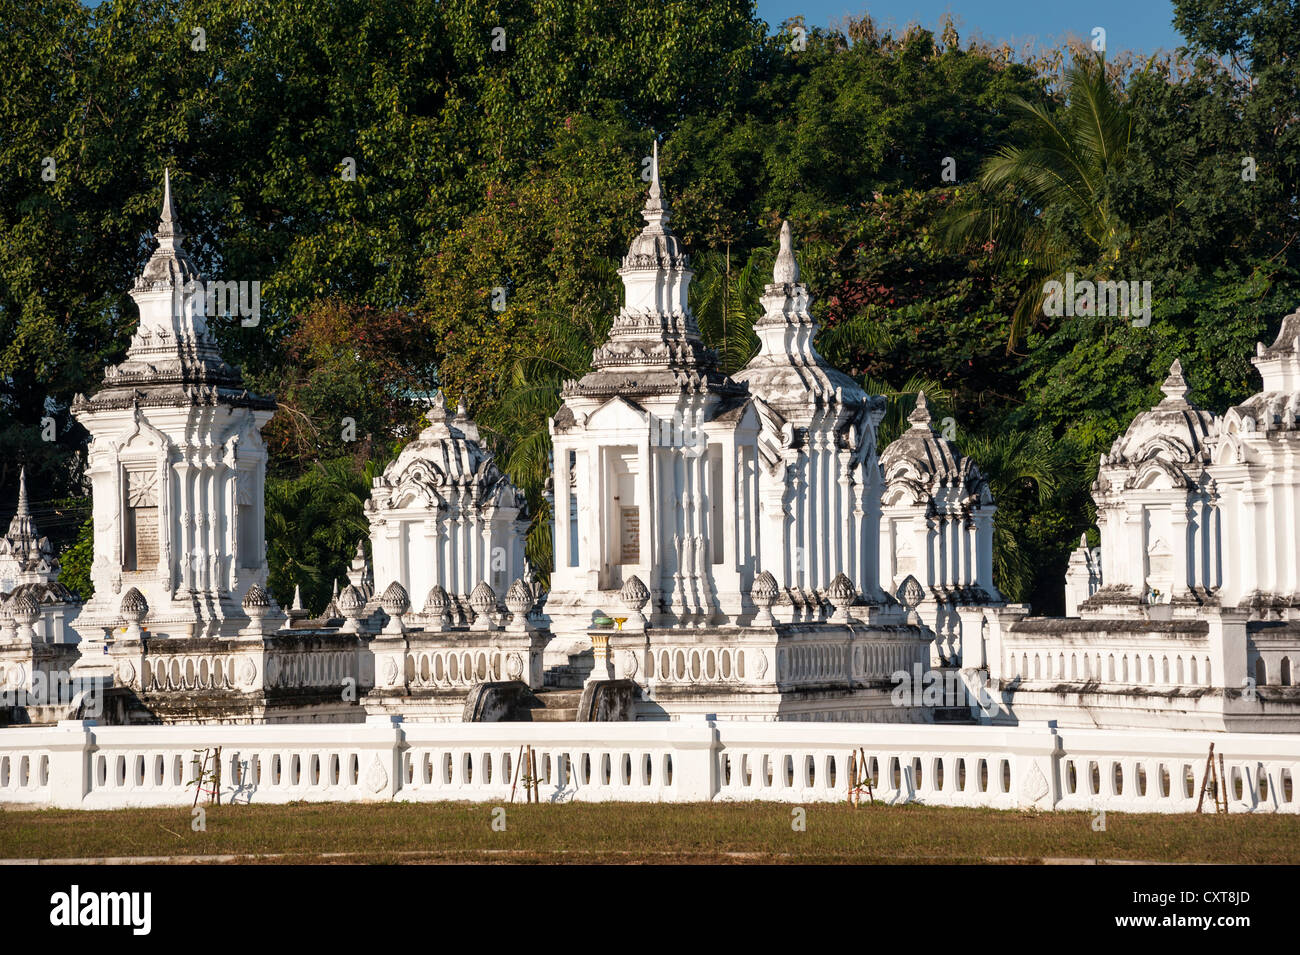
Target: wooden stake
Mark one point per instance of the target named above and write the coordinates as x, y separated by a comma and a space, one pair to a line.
1205, 781
536, 783
1224, 777
519, 765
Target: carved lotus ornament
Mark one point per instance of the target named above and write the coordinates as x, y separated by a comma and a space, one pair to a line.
910, 592
765, 589
351, 601
483, 599
25, 609
842, 593
257, 599
519, 598
437, 601
634, 594
134, 606
395, 601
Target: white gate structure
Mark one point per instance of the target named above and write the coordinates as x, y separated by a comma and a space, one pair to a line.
79, 765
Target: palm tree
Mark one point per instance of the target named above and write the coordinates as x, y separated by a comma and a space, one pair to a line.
313, 523
724, 299
901, 401
1016, 465
1044, 204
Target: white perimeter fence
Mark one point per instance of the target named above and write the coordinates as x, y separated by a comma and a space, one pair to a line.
82, 766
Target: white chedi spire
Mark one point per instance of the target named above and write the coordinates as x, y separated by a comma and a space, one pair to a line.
786, 300
170, 295
656, 272
656, 213
169, 230
920, 416
788, 372
786, 271
170, 266
172, 357
654, 345
22, 527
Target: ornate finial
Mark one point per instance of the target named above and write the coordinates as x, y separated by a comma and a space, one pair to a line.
920, 416
436, 408
297, 598
1175, 386
655, 212
169, 229
655, 192
22, 492
22, 527
256, 599
786, 271
460, 408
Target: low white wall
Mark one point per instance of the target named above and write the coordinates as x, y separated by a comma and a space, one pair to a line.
79, 765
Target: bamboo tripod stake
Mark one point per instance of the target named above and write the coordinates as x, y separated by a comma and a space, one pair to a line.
532, 785
1220, 784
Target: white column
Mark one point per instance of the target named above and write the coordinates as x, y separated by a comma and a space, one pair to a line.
594, 496
562, 498
186, 516
731, 502
1178, 528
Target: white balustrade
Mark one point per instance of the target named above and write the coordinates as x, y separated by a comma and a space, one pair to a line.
79, 765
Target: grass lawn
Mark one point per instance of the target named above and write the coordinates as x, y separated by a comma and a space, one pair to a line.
629, 832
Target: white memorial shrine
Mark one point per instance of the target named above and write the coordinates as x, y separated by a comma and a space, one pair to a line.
176, 464
443, 515
936, 532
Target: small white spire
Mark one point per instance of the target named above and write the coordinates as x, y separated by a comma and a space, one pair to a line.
22, 527
920, 416
22, 492
786, 271
654, 169
1175, 386
169, 230
655, 212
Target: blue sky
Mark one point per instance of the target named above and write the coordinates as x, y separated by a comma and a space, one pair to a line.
1142, 26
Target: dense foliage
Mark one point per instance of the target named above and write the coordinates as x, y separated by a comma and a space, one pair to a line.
933, 186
